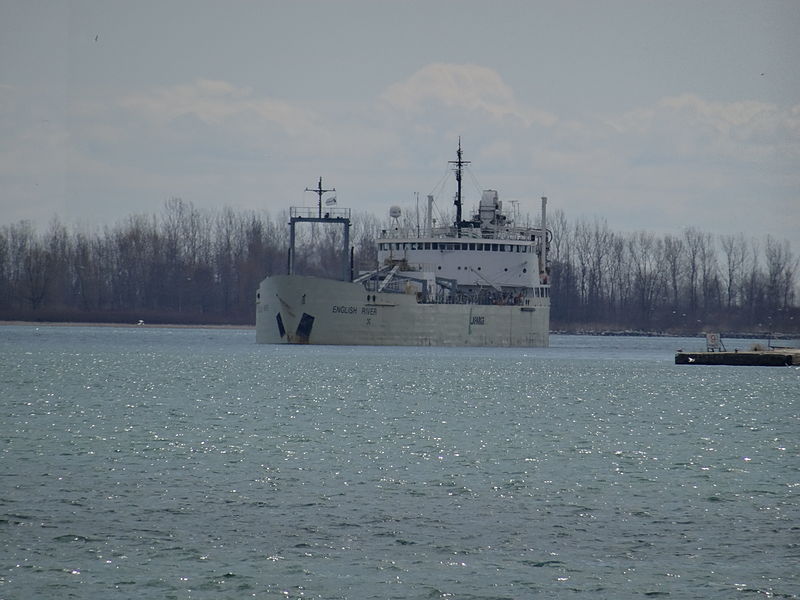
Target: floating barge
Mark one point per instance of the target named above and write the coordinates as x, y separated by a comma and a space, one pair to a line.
777, 357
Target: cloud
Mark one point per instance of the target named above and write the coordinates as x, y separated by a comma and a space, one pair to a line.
467, 87
722, 166
219, 103
682, 158
214, 120
688, 127
34, 148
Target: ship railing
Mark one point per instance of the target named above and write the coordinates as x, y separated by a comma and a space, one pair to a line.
442, 293
313, 212
506, 233
513, 233
490, 299
405, 266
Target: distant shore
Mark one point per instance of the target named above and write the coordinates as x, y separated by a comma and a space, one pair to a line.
150, 325
744, 335
577, 331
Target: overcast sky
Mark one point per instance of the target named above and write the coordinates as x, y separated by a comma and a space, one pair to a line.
651, 115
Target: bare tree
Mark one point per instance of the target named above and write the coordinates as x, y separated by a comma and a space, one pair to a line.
85, 266
646, 253
735, 248
582, 237
188, 264
674, 260
6, 285
710, 273
694, 240
619, 275
781, 268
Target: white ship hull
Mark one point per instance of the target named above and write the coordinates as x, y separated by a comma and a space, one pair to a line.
295, 309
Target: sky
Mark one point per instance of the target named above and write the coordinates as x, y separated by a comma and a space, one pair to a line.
651, 115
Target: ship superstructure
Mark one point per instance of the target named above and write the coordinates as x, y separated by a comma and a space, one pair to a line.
477, 282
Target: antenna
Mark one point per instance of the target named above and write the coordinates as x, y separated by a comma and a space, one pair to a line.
417, 195
515, 210
319, 191
459, 163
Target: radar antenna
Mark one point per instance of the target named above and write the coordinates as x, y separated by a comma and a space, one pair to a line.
319, 191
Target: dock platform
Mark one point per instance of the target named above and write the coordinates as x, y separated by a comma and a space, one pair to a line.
775, 357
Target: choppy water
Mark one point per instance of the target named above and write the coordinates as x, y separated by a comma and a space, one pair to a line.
181, 463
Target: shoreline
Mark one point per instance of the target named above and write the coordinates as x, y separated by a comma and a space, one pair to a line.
142, 325
579, 332
743, 335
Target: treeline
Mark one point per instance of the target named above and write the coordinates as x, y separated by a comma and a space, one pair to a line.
182, 266
683, 283
187, 265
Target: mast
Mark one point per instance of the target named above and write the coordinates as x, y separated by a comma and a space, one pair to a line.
429, 216
543, 274
417, 195
319, 191
459, 163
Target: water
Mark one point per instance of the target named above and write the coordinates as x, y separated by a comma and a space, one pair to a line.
191, 463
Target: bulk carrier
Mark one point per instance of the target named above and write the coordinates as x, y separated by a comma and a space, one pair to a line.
482, 281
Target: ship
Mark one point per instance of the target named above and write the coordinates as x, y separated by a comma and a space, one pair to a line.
481, 281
